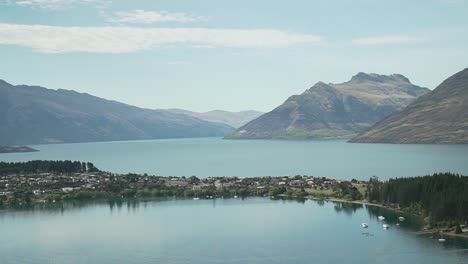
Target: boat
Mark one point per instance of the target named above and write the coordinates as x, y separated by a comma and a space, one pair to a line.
401, 219
385, 226
235, 197
441, 240
364, 225
196, 198
381, 218
397, 224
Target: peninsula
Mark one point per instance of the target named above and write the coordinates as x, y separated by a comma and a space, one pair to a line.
13, 149
439, 199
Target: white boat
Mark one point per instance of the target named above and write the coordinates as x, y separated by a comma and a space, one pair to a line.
235, 197
385, 226
397, 224
381, 218
401, 219
364, 225
196, 198
441, 240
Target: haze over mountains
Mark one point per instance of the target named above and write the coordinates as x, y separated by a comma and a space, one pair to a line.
234, 119
334, 110
380, 108
33, 115
439, 117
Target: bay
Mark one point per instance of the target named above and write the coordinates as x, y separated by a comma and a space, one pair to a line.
254, 230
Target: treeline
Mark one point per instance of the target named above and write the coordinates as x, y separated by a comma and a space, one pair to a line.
442, 197
43, 166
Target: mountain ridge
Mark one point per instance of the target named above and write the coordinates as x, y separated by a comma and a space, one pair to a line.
70, 116
234, 119
439, 117
334, 110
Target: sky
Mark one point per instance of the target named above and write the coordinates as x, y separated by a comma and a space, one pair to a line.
203, 55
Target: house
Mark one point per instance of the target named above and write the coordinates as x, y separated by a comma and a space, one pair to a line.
67, 189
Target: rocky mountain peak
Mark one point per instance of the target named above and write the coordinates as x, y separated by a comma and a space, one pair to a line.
329, 110
373, 77
439, 117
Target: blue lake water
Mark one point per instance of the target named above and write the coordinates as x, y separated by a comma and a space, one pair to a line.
254, 230
216, 157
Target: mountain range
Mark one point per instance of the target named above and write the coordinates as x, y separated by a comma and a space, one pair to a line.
334, 110
35, 115
234, 119
439, 117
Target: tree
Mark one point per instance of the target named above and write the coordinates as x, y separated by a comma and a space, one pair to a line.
91, 167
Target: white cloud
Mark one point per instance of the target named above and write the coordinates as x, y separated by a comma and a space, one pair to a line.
386, 40
54, 4
55, 39
147, 17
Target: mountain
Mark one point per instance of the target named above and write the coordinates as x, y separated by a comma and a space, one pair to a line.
439, 117
334, 110
234, 119
33, 115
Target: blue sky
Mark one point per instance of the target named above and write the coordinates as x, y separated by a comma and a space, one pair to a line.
232, 55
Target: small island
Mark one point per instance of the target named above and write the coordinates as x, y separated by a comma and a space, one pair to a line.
14, 149
439, 200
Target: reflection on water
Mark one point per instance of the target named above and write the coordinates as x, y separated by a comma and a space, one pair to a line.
253, 230
347, 208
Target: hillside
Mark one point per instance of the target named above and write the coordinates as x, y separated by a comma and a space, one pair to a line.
234, 119
334, 110
439, 117
34, 115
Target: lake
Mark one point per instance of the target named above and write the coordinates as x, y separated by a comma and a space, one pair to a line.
254, 230
205, 157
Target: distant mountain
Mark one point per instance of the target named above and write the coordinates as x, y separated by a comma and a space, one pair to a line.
439, 117
334, 110
234, 119
32, 115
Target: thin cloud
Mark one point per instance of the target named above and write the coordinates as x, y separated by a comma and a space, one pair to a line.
56, 39
140, 16
55, 4
386, 40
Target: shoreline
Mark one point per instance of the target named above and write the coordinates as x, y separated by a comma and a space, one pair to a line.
435, 231
50, 181
438, 231
363, 202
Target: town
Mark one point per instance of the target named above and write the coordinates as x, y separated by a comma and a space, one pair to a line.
85, 181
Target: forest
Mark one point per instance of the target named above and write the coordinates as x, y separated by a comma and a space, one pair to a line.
441, 197
46, 166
